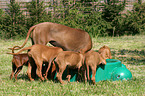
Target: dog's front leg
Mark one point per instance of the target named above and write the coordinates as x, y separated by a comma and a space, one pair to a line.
59, 75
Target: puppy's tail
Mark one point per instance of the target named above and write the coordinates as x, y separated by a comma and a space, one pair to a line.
14, 48
27, 48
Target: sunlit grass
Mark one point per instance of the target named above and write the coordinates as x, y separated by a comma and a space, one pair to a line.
130, 50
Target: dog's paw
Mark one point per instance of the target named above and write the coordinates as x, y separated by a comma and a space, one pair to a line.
31, 80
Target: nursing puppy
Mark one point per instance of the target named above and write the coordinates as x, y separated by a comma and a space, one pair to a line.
67, 59
40, 54
18, 62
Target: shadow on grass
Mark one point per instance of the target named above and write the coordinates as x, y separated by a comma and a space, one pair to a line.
23, 77
135, 57
36, 78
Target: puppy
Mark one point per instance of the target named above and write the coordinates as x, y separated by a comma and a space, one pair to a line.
68, 59
92, 60
17, 63
39, 54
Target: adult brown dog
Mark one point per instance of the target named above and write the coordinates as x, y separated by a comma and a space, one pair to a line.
17, 63
40, 54
105, 52
59, 35
68, 59
92, 60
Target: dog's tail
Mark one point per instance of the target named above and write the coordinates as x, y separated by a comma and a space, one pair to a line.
28, 34
14, 48
27, 48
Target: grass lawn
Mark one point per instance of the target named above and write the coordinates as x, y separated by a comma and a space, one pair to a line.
130, 50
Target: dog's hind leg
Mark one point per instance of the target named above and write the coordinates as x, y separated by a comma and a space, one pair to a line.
93, 74
79, 75
87, 67
50, 61
85, 75
29, 72
13, 70
53, 71
39, 69
59, 76
68, 75
17, 72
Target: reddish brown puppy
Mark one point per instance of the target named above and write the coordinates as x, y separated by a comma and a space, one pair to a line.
70, 59
17, 63
105, 52
40, 54
92, 60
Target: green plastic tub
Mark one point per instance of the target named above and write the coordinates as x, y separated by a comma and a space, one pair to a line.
113, 70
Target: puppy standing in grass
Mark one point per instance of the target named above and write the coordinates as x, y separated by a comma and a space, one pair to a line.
17, 63
70, 59
40, 54
92, 60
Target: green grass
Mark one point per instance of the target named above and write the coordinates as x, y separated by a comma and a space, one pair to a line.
129, 49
